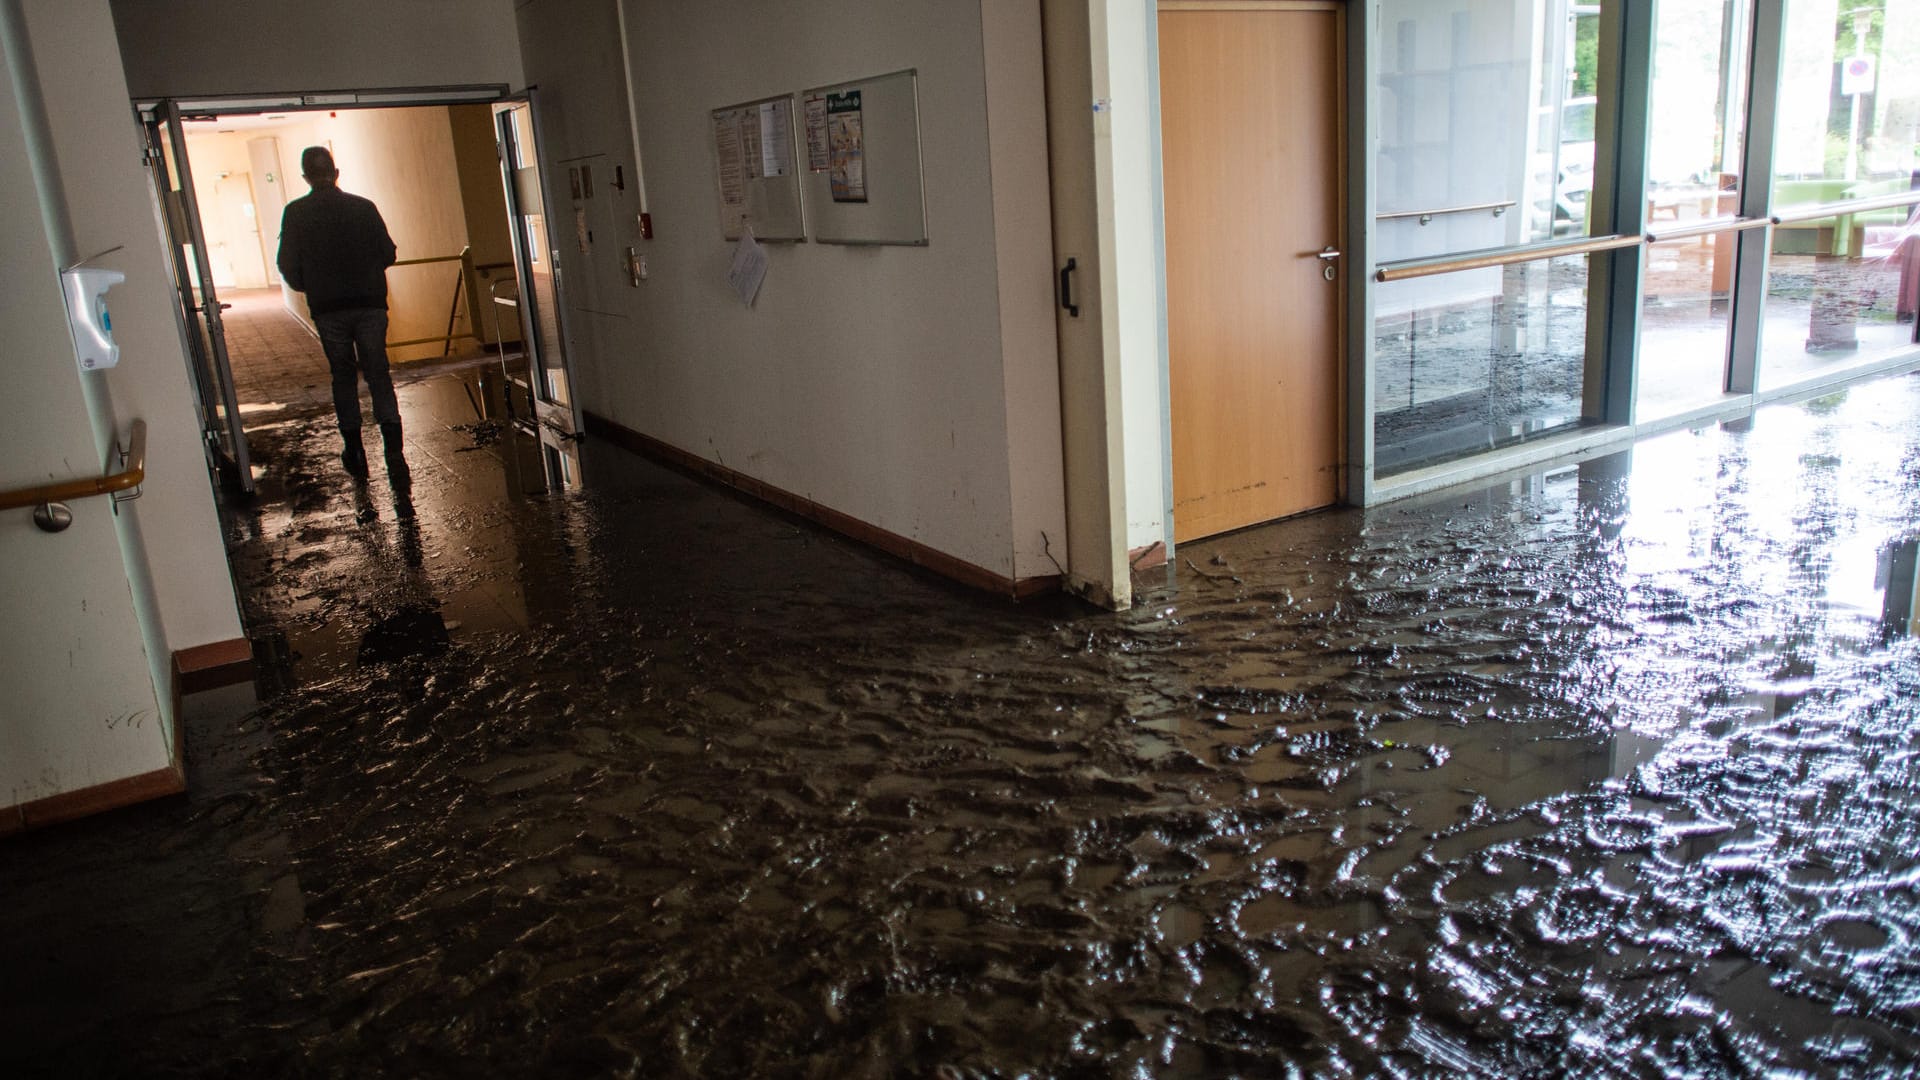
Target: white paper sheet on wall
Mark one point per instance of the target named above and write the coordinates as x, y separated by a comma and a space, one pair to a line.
776, 139
749, 268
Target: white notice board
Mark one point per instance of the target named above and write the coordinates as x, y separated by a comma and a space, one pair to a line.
758, 173
860, 144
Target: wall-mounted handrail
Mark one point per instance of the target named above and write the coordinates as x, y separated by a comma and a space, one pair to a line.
1447, 264
1712, 227
1853, 206
459, 286
429, 259
1498, 208
132, 472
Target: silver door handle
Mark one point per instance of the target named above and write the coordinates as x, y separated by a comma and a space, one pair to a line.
1329, 254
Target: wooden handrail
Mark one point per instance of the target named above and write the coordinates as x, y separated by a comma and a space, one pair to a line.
1840, 209
132, 472
1713, 227
432, 259
1447, 264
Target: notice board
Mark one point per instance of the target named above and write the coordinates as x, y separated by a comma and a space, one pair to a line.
758, 173
861, 177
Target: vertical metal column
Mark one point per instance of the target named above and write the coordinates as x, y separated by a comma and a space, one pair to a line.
1363, 62
1619, 197
1756, 195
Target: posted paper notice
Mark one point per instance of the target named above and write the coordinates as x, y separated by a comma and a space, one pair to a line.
749, 268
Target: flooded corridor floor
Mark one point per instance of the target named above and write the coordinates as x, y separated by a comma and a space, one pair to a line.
1609, 770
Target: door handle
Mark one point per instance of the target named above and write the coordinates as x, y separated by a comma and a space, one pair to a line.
1066, 288
1328, 254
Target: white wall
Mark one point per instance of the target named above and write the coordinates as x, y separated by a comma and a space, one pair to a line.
893, 384
112, 204
79, 706
571, 50
187, 48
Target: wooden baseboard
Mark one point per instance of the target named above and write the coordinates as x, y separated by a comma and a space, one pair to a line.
213, 665
99, 798
203, 667
846, 525
1151, 557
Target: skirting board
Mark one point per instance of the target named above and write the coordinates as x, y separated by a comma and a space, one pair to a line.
203, 667
211, 666
97, 799
845, 524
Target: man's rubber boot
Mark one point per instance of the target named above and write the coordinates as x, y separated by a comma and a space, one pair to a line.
352, 454
398, 474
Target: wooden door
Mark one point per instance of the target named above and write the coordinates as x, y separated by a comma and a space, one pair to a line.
1251, 147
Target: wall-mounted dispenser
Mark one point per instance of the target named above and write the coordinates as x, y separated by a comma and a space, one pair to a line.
87, 312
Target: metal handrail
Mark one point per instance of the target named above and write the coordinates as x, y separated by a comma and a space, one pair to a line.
1711, 227
1840, 209
132, 473
1426, 216
459, 286
1447, 264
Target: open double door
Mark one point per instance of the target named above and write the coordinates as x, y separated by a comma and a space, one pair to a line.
536, 266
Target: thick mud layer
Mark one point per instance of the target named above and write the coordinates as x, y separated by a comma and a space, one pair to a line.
1610, 770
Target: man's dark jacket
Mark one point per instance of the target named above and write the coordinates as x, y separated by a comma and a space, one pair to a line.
334, 247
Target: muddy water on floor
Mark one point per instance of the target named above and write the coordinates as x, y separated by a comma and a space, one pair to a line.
1610, 770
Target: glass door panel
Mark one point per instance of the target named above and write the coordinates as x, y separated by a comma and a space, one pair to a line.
537, 267
1698, 99
1684, 323
1843, 283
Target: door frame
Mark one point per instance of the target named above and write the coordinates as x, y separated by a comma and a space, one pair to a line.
212, 373
183, 227
1352, 319
563, 418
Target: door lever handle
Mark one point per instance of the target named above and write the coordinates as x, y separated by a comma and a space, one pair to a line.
1329, 254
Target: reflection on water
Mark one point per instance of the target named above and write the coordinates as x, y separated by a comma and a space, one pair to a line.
1611, 770
1477, 359
1899, 586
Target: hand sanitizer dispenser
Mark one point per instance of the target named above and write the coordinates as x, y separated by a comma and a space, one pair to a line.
87, 311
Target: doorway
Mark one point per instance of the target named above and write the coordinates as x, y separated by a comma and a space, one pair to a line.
1252, 107
433, 168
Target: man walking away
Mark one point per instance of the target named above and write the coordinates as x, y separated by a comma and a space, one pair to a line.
334, 247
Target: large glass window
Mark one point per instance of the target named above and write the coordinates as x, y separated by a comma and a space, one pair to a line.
1486, 123
1486, 126
1694, 146
1477, 359
1843, 283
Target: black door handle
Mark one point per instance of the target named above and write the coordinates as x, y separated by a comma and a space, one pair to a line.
1066, 288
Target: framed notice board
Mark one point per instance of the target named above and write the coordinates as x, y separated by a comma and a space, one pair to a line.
861, 161
759, 176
